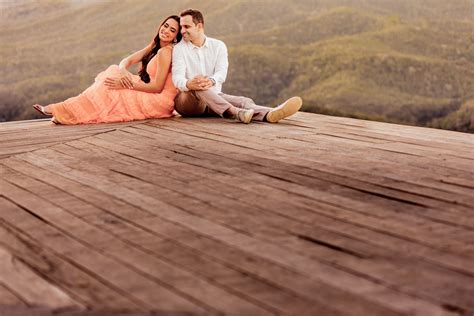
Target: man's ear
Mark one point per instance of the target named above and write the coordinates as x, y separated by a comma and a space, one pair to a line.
200, 26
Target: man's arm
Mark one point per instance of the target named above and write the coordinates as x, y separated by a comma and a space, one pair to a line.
179, 69
179, 74
222, 64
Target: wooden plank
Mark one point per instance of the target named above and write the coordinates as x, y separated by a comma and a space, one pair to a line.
435, 196
9, 297
270, 174
14, 125
386, 270
280, 203
9, 310
455, 148
114, 223
231, 237
268, 132
46, 125
353, 158
419, 187
352, 153
378, 221
84, 287
124, 230
25, 136
141, 288
387, 238
313, 120
378, 137
182, 281
32, 288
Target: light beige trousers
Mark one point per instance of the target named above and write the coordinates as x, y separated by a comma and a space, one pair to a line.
210, 103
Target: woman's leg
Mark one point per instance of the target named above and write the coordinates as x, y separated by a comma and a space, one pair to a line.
47, 109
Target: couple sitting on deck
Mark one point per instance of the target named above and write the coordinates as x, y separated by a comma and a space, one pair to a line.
196, 66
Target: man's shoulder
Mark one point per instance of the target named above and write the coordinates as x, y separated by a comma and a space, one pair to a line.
215, 41
179, 48
179, 45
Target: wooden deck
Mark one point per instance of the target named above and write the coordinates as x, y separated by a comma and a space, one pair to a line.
316, 215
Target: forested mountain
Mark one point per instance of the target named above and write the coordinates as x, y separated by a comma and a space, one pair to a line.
404, 61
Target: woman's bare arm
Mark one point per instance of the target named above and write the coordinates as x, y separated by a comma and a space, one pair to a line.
134, 58
157, 84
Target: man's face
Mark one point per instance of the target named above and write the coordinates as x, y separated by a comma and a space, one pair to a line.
189, 30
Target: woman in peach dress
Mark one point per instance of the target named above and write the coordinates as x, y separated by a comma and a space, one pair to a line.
118, 96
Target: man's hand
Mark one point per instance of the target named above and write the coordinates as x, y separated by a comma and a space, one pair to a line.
199, 83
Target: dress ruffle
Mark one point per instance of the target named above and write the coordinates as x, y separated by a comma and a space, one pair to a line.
98, 104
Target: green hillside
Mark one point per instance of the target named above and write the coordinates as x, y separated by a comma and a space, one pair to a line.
402, 61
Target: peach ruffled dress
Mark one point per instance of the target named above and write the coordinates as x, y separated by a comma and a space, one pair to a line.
98, 104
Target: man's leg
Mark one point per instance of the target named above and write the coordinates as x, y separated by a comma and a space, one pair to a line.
287, 108
187, 104
263, 113
208, 103
247, 103
215, 102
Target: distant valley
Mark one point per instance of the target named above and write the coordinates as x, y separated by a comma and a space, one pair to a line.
408, 62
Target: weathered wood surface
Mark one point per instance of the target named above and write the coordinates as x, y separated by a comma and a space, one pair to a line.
316, 215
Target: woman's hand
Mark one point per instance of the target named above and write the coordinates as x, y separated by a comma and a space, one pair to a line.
117, 84
126, 78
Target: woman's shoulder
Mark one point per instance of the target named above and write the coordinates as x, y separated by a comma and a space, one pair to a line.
167, 48
165, 51
164, 54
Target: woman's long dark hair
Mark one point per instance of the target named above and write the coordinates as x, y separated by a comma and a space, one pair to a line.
155, 47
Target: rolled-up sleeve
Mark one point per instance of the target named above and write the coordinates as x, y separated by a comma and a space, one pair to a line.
179, 69
222, 64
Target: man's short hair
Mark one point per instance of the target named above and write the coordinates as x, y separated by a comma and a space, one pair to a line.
197, 15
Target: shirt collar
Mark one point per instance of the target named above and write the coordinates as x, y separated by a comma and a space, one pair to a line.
206, 44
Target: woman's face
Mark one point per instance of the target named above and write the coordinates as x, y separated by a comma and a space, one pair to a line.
169, 30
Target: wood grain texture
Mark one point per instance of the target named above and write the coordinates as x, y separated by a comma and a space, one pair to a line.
32, 288
316, 215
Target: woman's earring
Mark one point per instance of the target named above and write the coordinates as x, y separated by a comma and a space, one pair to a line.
175, 41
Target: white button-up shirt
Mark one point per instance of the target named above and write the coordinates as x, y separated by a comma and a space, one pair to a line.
209, 60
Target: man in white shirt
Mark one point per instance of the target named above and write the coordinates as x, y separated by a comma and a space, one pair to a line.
200, 68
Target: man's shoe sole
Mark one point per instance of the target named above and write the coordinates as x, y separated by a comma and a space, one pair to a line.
288, 108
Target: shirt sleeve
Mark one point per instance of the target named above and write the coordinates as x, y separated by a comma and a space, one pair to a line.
222, 63
179, 69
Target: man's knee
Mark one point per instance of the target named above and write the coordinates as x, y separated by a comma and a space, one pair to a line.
238, 101
188, 104
247, 101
